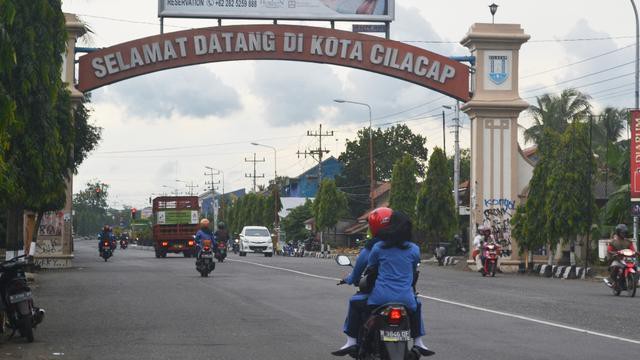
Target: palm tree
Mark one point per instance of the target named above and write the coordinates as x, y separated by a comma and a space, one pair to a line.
557, 112
609, 128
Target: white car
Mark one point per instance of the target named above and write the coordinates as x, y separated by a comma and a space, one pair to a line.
256, 239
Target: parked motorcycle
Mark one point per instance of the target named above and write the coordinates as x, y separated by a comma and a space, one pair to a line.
124, 243
106, 251
221, 254
626, 274
491, 252
386, 333
204, 261
16, 304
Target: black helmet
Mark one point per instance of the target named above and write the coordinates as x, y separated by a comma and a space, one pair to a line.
220, 225
622, 230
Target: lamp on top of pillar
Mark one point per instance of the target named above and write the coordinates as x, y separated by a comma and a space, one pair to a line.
493, 8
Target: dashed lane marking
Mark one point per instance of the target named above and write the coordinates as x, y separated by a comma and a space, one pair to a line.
466, 306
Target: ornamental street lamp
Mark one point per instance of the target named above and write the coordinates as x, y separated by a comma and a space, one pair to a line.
493, 8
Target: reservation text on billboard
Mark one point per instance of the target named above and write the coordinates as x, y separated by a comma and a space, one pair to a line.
340, 10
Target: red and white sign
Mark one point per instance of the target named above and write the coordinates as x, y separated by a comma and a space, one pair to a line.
635, 155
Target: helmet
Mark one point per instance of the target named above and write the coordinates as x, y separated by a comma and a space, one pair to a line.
622, 230
379, 219
484, 230
221, 225
106, 228
204, 222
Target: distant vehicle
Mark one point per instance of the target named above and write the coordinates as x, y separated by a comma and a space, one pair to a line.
175, 221
256, 239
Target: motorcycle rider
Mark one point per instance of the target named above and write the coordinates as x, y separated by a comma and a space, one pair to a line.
221, 234
204, 234
396, 259
618, 242
378, 219
105, 234
484, 236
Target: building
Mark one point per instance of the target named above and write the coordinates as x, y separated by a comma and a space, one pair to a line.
210, 202
305, 185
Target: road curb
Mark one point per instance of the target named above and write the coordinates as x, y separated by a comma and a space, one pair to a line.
562, 272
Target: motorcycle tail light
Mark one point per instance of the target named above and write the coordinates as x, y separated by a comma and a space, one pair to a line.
395, 316
206, 248
191, 243
106, 243
165, 243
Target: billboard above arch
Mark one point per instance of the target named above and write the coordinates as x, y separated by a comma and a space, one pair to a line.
274, 42
338, 10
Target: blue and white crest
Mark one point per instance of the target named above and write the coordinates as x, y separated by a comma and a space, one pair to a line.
498, 74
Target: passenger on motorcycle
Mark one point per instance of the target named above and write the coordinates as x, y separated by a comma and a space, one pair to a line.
396, 259
484, 236
204, 234
617, 243
105, 234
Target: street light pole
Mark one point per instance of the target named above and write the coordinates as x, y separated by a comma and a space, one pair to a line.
276, 194
372, 180
637, 93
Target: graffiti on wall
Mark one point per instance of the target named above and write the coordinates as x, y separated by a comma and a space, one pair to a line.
497, 214
52, 224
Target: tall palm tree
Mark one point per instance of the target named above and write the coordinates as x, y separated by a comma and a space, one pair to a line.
608, 130
557, 112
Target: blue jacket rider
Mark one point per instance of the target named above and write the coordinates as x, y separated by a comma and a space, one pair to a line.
204, 234
105, 234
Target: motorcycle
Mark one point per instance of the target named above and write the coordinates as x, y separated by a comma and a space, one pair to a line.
626, 273
107, 250
204, 261
124, 243
236, 246
16, 304
440, 252
221, 254
386, 333
491, 252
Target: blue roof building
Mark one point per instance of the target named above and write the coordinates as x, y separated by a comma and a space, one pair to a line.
306, 184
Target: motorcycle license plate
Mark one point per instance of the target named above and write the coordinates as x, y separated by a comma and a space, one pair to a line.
20, 297
395, 335
206, 256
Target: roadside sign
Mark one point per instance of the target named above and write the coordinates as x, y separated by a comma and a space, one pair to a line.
367, 28
635, 154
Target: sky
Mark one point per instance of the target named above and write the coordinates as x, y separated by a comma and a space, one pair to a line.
161, 130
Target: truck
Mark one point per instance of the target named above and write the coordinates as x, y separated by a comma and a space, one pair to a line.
175, 222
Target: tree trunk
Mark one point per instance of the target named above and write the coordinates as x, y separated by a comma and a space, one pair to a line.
550, 258
34, 239
15, 228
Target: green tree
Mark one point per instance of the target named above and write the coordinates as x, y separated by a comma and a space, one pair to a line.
617, 209
330, 205
403, 186
389, 146
570, 203
436, 215
465, 165
43, 139
293, 224
530, 228
557, 112
90, 206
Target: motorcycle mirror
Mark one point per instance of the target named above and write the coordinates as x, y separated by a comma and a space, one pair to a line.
343, 260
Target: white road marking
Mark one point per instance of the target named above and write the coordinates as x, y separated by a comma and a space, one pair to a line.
467, 306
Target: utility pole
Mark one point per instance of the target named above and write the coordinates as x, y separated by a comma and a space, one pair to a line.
212, 183
456, 160
191, 186
254, 176
444, 137
319, 152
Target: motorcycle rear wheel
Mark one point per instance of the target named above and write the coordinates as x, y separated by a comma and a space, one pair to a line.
493, 269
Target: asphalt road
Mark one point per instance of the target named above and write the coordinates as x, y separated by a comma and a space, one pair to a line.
138, 307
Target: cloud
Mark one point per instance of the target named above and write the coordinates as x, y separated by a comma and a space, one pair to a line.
193, 91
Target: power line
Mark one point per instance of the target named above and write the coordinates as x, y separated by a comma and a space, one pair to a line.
582, 77
319, 152
577, 62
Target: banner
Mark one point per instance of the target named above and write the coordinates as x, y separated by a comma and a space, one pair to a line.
342, 10
174, 217
635, 155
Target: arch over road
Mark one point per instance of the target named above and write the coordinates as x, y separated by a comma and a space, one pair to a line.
274, 42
